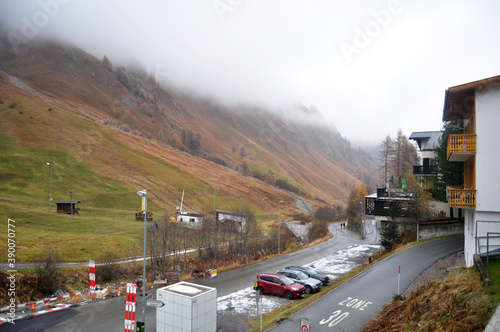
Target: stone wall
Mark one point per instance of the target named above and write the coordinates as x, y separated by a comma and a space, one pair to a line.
431, 231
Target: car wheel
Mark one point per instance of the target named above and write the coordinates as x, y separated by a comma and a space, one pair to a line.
308, 289
288, 295
260, 290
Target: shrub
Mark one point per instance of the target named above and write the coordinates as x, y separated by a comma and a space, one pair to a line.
106, 63
108, 271
47, 273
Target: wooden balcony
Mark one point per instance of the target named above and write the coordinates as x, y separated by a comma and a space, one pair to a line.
461, 147
459, 197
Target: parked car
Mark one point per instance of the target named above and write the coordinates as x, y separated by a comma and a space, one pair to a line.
312, 273
311, 284
278, 284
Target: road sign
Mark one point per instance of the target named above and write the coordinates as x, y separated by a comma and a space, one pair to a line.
155, 303
304, 325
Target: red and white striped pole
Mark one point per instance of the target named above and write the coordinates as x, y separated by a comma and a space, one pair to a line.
130, 308
260, 311
92, 279
399, 278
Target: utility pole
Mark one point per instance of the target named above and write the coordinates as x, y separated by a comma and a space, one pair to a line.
51, 165
279, 227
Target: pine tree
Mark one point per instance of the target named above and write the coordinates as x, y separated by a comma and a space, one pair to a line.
390, 235
449, 173
386, 150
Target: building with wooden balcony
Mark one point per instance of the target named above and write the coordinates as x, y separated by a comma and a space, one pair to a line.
477, 104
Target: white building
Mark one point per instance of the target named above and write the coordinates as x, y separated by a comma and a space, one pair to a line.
187, 307
478, 105
189, 219
230, 220
428, 142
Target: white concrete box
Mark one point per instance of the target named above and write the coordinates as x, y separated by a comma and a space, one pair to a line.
187, 307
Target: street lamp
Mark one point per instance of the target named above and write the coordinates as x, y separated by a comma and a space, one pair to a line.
71, 193
51, 165
144, 196
279, 227
215, 182
362, 221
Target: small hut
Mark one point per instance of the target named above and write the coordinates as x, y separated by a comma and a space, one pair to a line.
65, 207
140, 216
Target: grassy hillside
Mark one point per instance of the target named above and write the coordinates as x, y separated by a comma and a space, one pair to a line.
104, 174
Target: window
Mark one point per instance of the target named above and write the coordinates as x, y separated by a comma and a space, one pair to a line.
276, 281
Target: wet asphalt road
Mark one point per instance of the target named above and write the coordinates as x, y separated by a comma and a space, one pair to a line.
349, 307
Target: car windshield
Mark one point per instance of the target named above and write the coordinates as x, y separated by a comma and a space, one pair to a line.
312, 271
302, 275
287, 281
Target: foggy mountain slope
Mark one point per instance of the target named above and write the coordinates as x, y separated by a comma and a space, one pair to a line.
243, 138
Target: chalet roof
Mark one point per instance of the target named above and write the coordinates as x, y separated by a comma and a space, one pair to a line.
189, 214
459, 100
67, 202
230, 213
432, 136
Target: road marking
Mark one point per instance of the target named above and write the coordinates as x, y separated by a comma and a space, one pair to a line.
337, 317
355, 303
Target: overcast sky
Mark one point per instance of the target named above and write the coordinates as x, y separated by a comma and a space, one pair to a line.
370, 67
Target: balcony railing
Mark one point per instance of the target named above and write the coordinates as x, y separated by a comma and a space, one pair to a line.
461, 147
425, 170
459, 197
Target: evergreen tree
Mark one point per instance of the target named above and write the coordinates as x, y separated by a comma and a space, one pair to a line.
449, 173
390, 234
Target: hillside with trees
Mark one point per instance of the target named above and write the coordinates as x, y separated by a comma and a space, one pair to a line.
291, 145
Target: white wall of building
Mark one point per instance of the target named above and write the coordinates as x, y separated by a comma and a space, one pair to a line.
488, 149
486, 216
470, 241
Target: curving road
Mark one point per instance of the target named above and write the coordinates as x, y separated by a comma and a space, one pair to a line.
352, 305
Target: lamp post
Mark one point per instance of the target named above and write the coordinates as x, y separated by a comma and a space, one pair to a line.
51, 165
215, 182
71, 193
144, 195
279, 227
362, 221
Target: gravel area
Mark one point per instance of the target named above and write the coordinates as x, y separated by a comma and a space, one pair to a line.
299, 230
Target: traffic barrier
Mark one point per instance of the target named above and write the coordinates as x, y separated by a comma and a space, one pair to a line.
44, 301
92, 279
130, 307
49, 310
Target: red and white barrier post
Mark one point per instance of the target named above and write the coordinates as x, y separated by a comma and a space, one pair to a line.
399, 278
130, 308
92, 279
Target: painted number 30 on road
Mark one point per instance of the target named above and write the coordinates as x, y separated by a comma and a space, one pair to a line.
336, 317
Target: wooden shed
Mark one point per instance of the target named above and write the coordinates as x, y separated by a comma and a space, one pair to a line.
140, 216
65, 207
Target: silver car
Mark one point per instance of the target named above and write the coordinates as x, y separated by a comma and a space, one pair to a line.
311, 284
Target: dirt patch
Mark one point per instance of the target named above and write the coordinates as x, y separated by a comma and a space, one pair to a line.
439, 270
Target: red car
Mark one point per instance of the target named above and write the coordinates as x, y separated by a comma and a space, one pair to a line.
278, 284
